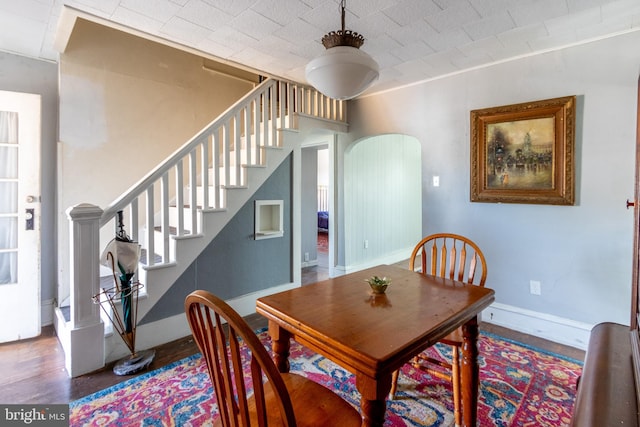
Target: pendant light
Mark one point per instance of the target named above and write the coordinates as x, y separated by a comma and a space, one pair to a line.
342, 71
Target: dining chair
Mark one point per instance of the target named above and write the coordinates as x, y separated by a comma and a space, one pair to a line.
238, 363
454, 257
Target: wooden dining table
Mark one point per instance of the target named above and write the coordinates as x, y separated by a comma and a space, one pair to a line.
372, 335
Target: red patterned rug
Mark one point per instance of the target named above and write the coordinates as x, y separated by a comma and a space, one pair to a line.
323, 242
519, 386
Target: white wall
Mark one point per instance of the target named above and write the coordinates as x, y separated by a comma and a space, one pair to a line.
382, 200
323, 166
309, 206
581, 254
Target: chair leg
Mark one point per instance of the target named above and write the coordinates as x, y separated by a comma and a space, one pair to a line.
455, 380
394, 384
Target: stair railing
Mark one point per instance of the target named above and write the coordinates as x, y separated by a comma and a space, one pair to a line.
235, 140
229, 144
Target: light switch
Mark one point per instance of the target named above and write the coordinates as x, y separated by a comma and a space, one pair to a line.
436, 181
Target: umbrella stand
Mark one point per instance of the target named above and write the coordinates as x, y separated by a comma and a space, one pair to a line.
125, 254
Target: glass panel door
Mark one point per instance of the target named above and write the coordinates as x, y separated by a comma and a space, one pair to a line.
8, 197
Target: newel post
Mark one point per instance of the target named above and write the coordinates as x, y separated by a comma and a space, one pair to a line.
85, 326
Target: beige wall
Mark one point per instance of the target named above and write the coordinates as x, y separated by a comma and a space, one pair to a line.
126, 104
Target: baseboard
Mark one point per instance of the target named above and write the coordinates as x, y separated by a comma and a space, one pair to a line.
311, 263
553, 328
392, 258
175, 327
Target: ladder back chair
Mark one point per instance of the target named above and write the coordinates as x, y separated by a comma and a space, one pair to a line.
458, 258
244, 398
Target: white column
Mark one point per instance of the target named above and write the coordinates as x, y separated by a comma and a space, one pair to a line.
86, 340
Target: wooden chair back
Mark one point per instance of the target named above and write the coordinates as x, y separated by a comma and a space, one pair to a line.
219, 331
450, 256
453, 257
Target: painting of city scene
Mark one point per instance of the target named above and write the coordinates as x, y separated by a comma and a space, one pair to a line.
524, 153
520, 154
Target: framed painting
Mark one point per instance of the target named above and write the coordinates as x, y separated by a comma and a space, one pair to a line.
524, 153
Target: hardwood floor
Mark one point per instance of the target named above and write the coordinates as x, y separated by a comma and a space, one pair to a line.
33, 370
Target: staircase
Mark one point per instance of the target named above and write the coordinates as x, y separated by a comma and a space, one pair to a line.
177, 209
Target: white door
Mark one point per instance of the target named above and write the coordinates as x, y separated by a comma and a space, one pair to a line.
19, 216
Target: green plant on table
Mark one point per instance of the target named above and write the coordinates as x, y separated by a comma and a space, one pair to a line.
378, 284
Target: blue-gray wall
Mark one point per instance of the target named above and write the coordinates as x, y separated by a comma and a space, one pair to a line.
235, 264
581, 254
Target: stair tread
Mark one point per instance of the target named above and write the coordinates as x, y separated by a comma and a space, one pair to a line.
173, 231
143, 257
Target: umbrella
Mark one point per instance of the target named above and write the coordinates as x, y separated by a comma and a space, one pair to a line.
122, 255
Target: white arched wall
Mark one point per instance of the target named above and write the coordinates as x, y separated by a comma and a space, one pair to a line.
382, 200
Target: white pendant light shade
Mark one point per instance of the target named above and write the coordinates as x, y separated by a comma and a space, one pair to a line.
342, 72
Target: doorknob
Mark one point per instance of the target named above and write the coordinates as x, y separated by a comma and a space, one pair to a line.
630, 204
32, 199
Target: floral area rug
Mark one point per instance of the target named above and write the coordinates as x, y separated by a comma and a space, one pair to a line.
519, 386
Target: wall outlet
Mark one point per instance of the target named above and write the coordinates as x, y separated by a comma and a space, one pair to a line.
535, 287
306, 256
366, 244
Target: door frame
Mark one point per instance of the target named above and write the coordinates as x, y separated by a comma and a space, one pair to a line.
636, 222
328, 141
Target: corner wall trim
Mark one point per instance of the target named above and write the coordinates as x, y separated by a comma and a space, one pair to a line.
553, 328
46, 312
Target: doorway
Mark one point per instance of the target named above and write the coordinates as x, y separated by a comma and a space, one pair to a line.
323, 209
316, 212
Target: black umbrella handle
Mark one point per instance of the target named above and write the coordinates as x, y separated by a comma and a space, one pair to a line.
121, 235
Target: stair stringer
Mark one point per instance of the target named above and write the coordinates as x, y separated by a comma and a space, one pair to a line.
188, 248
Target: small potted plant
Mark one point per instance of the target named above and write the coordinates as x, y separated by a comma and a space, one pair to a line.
378, 284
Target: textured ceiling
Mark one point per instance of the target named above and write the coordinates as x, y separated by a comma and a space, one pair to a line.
412, 40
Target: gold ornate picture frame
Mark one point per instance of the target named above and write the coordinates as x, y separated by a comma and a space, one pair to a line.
524, 153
